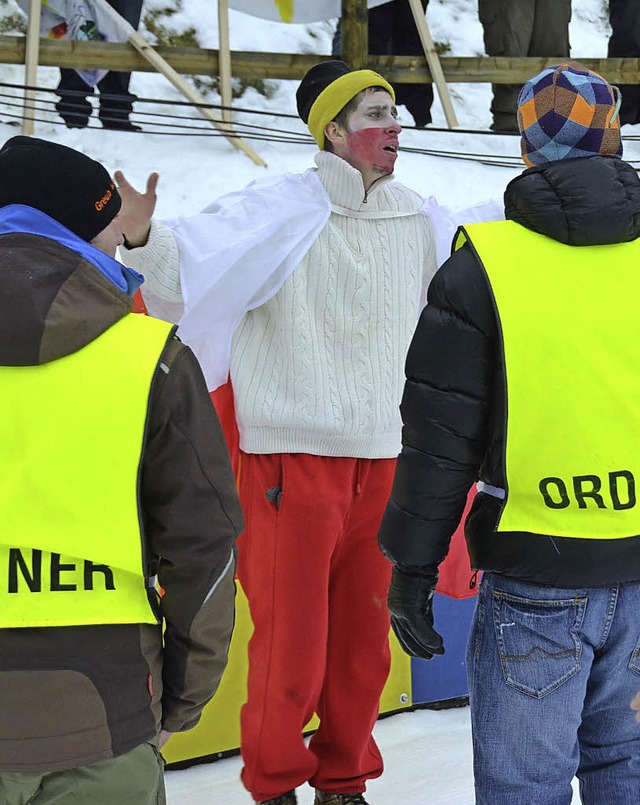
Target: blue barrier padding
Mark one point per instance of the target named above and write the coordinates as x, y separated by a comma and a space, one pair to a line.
445, 677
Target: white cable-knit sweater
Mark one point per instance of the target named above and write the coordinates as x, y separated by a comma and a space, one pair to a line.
319, 367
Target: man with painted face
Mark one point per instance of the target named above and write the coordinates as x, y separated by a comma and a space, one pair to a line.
333, 267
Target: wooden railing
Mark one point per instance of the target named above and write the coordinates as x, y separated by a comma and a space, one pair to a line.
201, 61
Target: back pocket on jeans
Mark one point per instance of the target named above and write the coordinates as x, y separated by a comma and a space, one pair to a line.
634, 662
537, 641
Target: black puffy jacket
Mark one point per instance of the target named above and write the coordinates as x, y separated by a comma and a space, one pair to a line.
453, 406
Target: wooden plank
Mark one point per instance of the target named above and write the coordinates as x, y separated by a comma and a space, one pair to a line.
32, 47
355, 34
224, 59
433, 62
189, 93
201, 61
147, 51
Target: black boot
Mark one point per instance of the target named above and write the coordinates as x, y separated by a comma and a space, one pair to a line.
285, 799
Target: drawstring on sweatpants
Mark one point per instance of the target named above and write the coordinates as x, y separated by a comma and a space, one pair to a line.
362, 470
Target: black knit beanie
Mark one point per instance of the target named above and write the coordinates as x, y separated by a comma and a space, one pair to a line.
68, 186
315, 80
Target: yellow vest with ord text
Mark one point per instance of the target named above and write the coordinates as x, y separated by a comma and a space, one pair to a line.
71, 441
570, 327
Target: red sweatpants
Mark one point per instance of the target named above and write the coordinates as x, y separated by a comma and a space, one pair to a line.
317, 588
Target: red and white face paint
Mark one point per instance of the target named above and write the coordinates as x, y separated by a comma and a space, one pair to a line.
373, 147
372, 135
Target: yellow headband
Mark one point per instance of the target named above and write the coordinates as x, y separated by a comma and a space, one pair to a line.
337, 95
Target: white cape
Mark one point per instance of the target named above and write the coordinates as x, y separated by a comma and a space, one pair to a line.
237, 253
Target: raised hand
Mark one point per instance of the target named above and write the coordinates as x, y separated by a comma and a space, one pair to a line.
137, 208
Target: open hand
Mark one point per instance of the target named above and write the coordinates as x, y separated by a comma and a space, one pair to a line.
137, 208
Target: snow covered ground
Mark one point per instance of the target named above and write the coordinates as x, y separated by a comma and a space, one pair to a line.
194, 170
427, 757
428, 754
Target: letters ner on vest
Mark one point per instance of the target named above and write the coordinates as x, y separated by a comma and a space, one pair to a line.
569, 340
72, 549
54, 573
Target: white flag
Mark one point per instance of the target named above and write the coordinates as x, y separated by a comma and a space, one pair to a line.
294, 10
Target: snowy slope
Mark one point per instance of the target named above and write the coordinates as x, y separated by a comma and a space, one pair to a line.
428, 754
196, 169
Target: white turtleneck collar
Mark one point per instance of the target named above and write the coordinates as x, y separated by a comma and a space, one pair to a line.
345, 184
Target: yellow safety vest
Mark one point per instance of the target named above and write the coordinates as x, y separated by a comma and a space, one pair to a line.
71, 440
571, 337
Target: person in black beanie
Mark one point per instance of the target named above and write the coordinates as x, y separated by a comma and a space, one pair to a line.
61, 182
328, 270
100, 411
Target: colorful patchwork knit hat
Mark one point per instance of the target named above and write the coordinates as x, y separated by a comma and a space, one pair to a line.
568, 111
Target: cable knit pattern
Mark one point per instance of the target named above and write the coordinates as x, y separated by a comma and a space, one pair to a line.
330, 259
158, 260
337, 333
387, 380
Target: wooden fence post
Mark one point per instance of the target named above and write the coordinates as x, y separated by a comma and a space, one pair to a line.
355, 34
224, 59
31, 66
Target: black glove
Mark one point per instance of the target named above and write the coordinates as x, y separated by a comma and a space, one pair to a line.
411, 607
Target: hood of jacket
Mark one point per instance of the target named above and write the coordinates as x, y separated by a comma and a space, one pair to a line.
590, 201
59, 292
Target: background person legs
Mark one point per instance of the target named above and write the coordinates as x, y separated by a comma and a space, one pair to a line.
624, 16
114, 113
392, 31
521, 28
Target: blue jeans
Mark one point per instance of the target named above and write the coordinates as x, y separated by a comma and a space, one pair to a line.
552, 673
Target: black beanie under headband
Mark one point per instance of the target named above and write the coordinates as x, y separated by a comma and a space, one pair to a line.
68, 186
315, 80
